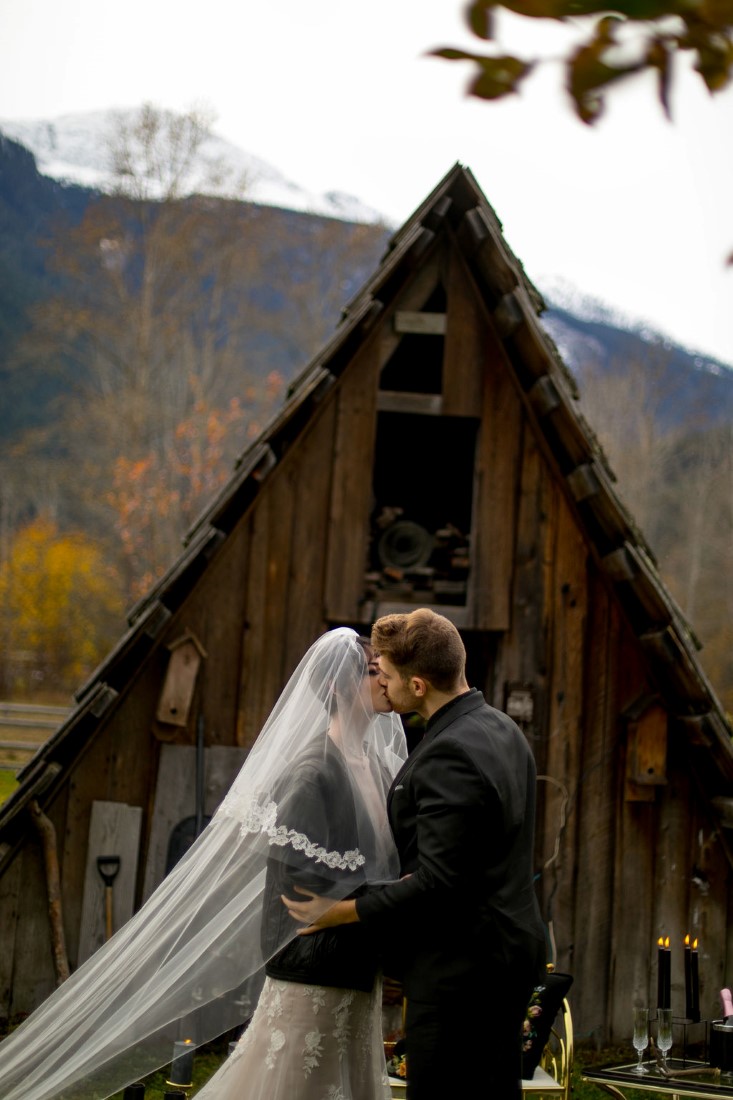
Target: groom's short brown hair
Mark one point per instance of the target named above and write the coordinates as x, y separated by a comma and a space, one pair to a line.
423, 644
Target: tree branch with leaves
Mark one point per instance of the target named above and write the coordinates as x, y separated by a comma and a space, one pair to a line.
618, 41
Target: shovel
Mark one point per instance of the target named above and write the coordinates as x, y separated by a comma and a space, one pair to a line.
108, 866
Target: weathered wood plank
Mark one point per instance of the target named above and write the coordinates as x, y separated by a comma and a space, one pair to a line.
351, 492
9, 915
569, 595
216, 613
34, 976
631, 967
281, 517
71, 813
522, 655
673, 871
175, 797
255, 651
114, 830
708, 920
412, 299
597, 787
427, 324
424, 404
495, 501
630, 964
306, 619
467, 338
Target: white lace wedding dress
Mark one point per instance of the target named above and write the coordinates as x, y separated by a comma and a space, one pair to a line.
307, 1042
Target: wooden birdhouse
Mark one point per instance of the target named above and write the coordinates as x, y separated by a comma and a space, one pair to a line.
174, 704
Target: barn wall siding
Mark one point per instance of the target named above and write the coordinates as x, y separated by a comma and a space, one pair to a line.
560, 591
592, 929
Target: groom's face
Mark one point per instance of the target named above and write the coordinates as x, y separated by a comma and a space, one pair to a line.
398, 691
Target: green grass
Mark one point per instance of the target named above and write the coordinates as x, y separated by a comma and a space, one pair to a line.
206, 1063
584, 1090
209, 1058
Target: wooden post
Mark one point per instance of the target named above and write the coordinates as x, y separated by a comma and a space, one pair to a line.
44, 828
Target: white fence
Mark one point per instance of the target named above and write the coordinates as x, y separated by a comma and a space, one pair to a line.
26, 719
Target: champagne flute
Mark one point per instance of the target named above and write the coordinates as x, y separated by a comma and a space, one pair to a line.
641, 1036
664, 1032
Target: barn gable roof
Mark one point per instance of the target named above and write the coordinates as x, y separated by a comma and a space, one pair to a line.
457, 208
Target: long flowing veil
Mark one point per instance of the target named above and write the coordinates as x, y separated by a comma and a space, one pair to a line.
189, 964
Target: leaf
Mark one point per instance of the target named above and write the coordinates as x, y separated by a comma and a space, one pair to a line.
543, 9
636, 10
587, 71
479, 16
497, 77
717, 12
714, 63
659, 57
448, 53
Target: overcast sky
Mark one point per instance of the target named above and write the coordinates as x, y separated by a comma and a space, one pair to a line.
338, 95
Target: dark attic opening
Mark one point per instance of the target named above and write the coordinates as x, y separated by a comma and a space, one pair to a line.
416, 365
420, 526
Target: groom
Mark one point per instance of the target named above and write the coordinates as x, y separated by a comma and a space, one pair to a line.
464, 917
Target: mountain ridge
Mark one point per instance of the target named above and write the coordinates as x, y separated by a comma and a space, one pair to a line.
31, 202
73, 148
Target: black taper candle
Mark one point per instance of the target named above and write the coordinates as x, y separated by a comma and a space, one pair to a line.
688, 979
695, 984
667, 994
660, 972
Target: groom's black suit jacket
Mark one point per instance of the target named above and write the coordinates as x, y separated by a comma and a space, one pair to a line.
462, 811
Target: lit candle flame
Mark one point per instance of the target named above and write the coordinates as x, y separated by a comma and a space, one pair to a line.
694, 946
660, 942
687, 940
666, 941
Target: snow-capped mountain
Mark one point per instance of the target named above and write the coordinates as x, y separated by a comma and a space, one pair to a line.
75, 148
568, 307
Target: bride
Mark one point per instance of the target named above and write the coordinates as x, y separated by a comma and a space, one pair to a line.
306, 812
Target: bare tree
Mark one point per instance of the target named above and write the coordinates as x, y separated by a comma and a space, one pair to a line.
149, 326
676, 476
626, 402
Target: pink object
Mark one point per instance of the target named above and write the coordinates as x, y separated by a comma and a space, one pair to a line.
727, 1002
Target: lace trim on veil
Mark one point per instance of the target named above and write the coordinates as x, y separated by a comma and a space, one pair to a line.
256, 818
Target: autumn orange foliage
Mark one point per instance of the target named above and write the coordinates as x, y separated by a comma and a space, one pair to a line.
60, 605
155, 497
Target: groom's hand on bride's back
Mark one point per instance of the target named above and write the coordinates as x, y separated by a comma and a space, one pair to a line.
317, 912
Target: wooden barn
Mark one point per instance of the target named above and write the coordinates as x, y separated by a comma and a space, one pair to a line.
433, 454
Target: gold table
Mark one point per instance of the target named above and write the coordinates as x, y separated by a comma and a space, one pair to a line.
617, 1080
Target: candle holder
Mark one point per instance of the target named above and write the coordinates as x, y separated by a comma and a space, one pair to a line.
695, 1035
182, 1065
721, 1047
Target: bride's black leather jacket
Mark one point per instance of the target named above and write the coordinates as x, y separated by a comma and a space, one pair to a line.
320, 805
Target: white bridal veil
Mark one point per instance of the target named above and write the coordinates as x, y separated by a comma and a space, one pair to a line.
189, 964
